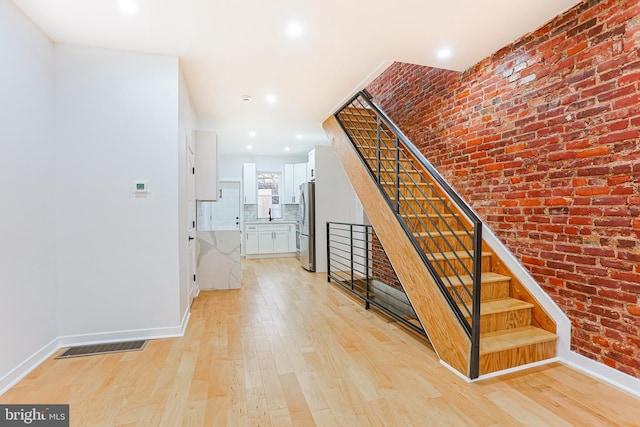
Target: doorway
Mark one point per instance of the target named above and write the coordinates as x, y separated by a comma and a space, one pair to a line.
223, 214
191, 218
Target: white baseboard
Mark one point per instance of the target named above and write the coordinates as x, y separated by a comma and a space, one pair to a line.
278, 255
31, 363
130, 335
22, 370
587, 366
500, 373
604, 373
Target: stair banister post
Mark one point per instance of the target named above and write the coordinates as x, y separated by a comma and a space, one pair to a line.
397, 172
367, 233
378, 145
351, 250
474, 369
328, 254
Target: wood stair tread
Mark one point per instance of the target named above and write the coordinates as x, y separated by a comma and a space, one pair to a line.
507, 339
441, 233
503, 305
429, 215
487, 277
458, 254
405, 183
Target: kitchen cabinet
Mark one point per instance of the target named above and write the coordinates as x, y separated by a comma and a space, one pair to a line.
268, 239
294, 175
273, 238
207, 182
293, 247
311, 166
250, 184
252, 246
288, 193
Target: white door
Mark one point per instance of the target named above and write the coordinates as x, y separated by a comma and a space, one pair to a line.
225, 213
191, 217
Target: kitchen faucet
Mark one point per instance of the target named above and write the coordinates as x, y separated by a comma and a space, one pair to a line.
270, 219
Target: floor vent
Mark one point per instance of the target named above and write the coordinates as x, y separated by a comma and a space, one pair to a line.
90, 350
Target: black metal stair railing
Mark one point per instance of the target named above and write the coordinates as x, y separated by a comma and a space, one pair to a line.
357, 262
450, 244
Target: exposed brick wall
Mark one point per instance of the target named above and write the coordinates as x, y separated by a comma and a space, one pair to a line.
542, 139
382, 268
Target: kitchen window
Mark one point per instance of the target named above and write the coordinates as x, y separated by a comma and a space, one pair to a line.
269, 195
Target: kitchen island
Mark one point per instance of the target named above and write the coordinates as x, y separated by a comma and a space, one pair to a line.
218, 259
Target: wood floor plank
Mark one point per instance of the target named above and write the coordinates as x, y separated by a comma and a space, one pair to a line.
290, 349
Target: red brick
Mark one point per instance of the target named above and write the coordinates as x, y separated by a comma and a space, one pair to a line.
592, 191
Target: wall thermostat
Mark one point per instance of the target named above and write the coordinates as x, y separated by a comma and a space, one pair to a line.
141, 187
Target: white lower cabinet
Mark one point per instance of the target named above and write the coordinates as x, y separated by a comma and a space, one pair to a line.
269, 239
281, 241
292, 238
252, 245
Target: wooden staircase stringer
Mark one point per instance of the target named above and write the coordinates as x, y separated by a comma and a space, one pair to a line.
447, 336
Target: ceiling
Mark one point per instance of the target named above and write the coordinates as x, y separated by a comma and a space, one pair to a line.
232, 48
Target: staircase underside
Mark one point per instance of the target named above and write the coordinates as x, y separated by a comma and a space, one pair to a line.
515, 330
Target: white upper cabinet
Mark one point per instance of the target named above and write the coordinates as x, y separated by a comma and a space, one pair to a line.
207, 181
250, 184
288, 195
300, 177
311, 166
294, 175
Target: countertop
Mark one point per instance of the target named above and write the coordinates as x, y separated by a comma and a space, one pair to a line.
275, 221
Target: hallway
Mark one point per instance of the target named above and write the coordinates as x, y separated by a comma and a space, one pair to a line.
291, 349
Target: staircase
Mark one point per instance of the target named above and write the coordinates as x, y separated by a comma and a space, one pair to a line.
477, 314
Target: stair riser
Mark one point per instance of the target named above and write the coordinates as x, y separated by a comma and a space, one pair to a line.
490, 291
445, 244
387, 165
505, 320
431, 224
455, 266
406, 192
356, 125
368, 143
424, 206
356, 121
511, 358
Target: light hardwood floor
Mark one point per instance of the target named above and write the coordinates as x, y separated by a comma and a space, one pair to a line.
291, 349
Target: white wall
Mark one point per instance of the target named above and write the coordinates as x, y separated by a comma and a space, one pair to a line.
27, 170
336, 200
117, 254
187, 122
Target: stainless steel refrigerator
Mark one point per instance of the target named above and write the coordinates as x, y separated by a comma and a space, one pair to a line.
307, 226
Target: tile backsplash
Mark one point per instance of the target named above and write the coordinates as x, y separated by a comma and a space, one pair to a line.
289, 213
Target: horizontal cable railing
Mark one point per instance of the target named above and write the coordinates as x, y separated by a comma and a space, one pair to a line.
444, 230
357, 262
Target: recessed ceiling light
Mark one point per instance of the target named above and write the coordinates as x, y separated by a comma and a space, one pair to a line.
286, 148
271, 99
298, 136
444, 53
294, 29
246, 98
252, 133
127, 7
249, 147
